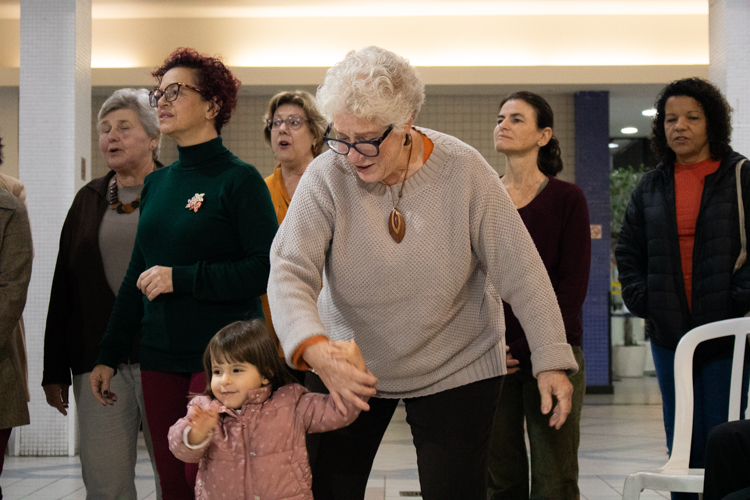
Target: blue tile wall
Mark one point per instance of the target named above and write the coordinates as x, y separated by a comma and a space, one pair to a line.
592, 176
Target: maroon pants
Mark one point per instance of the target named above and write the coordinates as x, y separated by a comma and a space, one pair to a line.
166, 396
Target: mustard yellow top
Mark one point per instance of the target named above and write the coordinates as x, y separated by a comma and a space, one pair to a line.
280, 199
279, 196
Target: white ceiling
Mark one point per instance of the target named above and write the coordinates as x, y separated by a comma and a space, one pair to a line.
626, 101
625, 111
177, 8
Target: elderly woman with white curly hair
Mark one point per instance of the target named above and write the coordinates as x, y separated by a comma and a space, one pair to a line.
404, 239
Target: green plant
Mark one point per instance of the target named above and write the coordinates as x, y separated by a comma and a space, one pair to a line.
622, 182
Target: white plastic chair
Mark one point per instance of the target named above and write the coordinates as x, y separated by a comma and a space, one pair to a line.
675, 475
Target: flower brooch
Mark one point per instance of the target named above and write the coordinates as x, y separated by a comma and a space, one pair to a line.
195, 202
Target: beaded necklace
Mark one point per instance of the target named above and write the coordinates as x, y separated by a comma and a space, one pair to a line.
114, 201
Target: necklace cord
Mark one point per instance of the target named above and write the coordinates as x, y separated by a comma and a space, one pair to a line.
406, 172
396, 223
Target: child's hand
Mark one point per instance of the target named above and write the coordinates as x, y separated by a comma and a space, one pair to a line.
202, 422
349, 351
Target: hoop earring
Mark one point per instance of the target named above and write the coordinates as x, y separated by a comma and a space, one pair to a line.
407, 141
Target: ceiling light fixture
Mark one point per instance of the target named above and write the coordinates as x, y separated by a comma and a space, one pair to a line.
613, 145
629, 130
649, 112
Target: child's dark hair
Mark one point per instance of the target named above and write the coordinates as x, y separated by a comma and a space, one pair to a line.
247, 342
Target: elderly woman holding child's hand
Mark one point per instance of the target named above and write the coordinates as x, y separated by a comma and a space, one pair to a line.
415, 242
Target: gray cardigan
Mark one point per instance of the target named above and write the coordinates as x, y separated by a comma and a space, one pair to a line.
15, 272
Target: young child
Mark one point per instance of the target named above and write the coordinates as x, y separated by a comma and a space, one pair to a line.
248, 432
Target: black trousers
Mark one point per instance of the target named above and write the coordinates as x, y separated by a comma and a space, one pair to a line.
728, 462
450, 430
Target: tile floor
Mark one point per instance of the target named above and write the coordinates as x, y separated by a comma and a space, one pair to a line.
620, 433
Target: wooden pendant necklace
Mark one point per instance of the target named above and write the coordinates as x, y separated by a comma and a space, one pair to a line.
116, 204
396, 224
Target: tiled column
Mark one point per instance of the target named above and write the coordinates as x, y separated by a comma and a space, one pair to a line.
54, 142
592, 176
729, 43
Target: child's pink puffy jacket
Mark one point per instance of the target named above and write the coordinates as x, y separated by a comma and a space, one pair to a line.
259, 452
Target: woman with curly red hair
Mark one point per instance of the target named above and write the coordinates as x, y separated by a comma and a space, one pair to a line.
201, 256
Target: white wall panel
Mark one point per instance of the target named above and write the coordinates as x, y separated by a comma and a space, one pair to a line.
53, 137
729, 41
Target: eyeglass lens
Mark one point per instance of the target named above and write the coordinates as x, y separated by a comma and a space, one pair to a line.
170, 94
293, 122
363, 148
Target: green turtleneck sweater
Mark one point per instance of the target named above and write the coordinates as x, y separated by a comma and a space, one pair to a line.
219, 257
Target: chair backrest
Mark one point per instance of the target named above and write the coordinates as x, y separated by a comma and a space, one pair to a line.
739, 328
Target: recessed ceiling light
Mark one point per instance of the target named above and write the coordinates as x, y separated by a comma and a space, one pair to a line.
649, 112
629, 130
613, 145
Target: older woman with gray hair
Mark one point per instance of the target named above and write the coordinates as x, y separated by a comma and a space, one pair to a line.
415, 242
95, 246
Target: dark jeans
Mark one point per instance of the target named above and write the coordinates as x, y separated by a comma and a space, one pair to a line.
728, 461
711, 378
554, 453
450, 431
165, 396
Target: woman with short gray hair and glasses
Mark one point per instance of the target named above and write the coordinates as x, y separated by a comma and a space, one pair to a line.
415, 242
95, 246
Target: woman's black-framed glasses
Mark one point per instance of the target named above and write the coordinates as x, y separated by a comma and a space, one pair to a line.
171, 93
365, 148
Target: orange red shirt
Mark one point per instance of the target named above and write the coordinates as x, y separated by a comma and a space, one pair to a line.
688, 190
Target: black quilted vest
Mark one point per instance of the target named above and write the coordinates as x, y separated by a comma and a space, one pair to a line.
648, 254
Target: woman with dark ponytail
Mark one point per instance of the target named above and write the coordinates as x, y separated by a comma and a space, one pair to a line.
556, 214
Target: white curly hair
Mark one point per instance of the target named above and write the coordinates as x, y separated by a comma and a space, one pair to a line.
374, 84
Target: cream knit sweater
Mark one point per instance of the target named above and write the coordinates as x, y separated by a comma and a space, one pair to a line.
426, 312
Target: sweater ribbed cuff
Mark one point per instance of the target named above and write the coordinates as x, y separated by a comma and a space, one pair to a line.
554, 357
297, 360
183, 278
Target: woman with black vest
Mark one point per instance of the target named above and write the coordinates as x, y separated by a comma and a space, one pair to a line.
679, 246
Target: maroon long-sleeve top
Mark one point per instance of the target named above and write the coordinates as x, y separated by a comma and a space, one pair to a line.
558, 221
